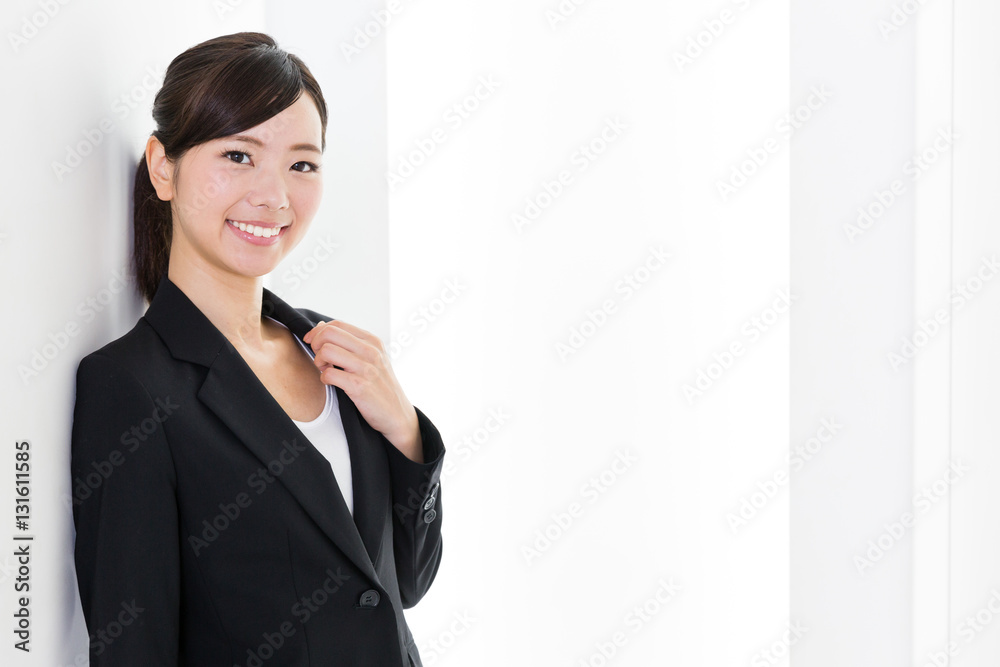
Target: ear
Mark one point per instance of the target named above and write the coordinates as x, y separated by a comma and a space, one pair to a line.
161, 170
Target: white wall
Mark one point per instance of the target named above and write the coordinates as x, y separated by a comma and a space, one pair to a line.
856, 285
920, 97
975, 249
663, 517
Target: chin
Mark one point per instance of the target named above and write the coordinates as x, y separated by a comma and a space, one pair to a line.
253, 269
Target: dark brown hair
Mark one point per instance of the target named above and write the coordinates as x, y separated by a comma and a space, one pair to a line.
216, 89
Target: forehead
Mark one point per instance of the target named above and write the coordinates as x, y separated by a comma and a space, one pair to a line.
297, 124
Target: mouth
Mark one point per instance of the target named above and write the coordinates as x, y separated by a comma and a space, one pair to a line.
257, 229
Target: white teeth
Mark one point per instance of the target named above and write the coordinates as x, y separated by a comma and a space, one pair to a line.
263, 232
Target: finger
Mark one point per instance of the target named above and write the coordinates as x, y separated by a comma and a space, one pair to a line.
345, 339
309, 334
331, 354
339, 378
358, 332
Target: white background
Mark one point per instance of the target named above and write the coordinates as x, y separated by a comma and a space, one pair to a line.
480, 309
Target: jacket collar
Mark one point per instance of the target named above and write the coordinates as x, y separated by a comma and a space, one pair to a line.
191, 336
266, 430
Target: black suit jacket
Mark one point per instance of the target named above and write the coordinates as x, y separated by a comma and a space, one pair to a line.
210, 532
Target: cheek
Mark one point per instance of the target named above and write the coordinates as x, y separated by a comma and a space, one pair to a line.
307, 201
209, 191
220, 189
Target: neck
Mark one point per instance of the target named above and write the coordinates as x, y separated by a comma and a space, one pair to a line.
231, 302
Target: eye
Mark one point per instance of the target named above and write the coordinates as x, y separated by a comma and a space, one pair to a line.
236, 156
305, 166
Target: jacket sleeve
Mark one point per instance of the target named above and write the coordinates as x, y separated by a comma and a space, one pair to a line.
124, 507
416, 504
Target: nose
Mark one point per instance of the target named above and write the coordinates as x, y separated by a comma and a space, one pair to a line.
269, 189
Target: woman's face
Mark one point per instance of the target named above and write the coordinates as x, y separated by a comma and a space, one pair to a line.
241, 203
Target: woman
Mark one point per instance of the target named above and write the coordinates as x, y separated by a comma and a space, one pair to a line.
258, 489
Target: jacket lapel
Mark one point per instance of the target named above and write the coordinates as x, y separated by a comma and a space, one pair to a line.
368, 461
266, 430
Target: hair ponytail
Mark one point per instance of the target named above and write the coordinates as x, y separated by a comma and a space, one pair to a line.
215, 89
152, 229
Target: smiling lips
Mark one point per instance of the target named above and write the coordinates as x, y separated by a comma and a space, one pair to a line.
260, 230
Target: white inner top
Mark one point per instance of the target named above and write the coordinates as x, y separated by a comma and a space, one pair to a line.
326, 433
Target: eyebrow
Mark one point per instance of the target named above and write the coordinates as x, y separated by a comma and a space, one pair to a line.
260, 144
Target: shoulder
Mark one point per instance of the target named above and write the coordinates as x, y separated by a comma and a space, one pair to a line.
119, 388
130, 353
